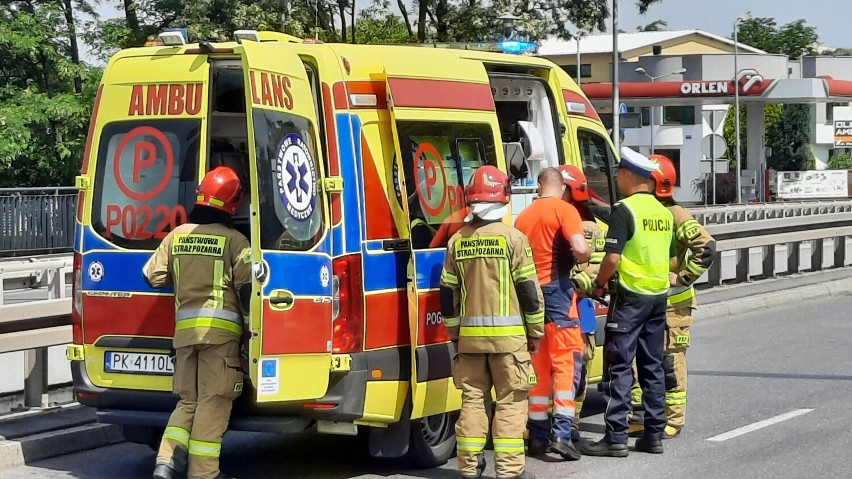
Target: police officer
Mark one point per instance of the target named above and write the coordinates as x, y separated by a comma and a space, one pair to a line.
494, 312
577, 193
208, 263
638, 247
555, 232
695, 252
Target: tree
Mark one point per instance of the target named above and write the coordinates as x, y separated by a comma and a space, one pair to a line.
771, 114
793, 39
655, 26
378, 25
43, 119
791, 140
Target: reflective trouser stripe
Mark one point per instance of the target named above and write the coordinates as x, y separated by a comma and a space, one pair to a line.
209, 323
177, 434
204, 449
208, 313
538, 406
487, 321
470, 444
676, 398
496, 331
508, 446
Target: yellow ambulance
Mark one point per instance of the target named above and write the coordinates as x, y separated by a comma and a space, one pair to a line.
354, 158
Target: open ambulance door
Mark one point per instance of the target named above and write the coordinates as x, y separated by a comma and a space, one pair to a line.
444, 127
291, 312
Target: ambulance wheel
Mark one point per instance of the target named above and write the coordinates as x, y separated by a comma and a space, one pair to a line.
147, 435
433, 440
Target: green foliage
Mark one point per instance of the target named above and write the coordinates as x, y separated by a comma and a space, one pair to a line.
655, 26
44, 122
771, 114
840, 160
793, 39
790, 140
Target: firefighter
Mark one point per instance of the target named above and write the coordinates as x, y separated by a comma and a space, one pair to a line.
577, 193
555, 232
695, 251
638, 247
493, 309
208, 263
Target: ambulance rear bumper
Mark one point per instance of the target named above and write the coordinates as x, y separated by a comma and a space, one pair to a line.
153, 408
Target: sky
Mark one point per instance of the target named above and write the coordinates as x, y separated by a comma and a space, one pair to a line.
830, 17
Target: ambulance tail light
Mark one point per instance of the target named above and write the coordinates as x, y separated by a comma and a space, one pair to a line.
347, 305
77, 304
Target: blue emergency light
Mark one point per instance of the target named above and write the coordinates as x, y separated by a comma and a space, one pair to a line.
517, 47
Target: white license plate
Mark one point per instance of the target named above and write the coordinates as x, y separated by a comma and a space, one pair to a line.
144, 363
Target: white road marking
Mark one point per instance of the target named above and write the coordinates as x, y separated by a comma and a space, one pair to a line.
759, 425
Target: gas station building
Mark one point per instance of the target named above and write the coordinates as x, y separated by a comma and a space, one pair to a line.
682, 83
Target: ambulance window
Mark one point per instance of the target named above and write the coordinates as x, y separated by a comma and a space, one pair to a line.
291, 209
598, 162
145, 180
438, 160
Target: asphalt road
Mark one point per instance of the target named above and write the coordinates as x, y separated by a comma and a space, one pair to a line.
744, 370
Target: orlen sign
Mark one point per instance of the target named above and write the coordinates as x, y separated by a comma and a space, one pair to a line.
699, 88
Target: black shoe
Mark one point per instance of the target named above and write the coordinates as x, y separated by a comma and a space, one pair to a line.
649, 445
164, 471
480, 467
605, 448
575, 435
537, 447
565, 448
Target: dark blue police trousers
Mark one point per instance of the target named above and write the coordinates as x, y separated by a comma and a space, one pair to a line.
635, 328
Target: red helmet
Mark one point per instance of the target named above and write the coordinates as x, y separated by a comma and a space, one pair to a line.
488, 185
220, 189
575, 180
665, 176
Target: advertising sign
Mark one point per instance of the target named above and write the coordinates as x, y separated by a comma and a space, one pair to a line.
813, 184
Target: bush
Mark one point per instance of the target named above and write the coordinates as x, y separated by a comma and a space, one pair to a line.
840, 160
726, 188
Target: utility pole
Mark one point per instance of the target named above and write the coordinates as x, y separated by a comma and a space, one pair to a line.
616, 131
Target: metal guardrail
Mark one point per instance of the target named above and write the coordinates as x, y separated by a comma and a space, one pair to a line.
33, 326
37, 219
726, 214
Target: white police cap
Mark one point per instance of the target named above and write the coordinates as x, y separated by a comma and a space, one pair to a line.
637, 162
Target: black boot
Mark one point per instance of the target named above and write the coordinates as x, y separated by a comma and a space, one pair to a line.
537, 446
650, 445
605, 448
480, 467
164, 471
222, 475
565, 448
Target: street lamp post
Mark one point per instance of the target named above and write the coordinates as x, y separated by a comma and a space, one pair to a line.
579, 35
642, 71
737, 103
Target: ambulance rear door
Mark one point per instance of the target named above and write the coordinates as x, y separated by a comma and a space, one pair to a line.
444, 127
291, 311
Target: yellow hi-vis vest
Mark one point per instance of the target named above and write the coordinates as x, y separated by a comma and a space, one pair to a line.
644, 265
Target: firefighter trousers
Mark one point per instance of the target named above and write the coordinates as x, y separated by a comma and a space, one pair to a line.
558, 365
207, 378
634, 329
677, 341
512, 376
